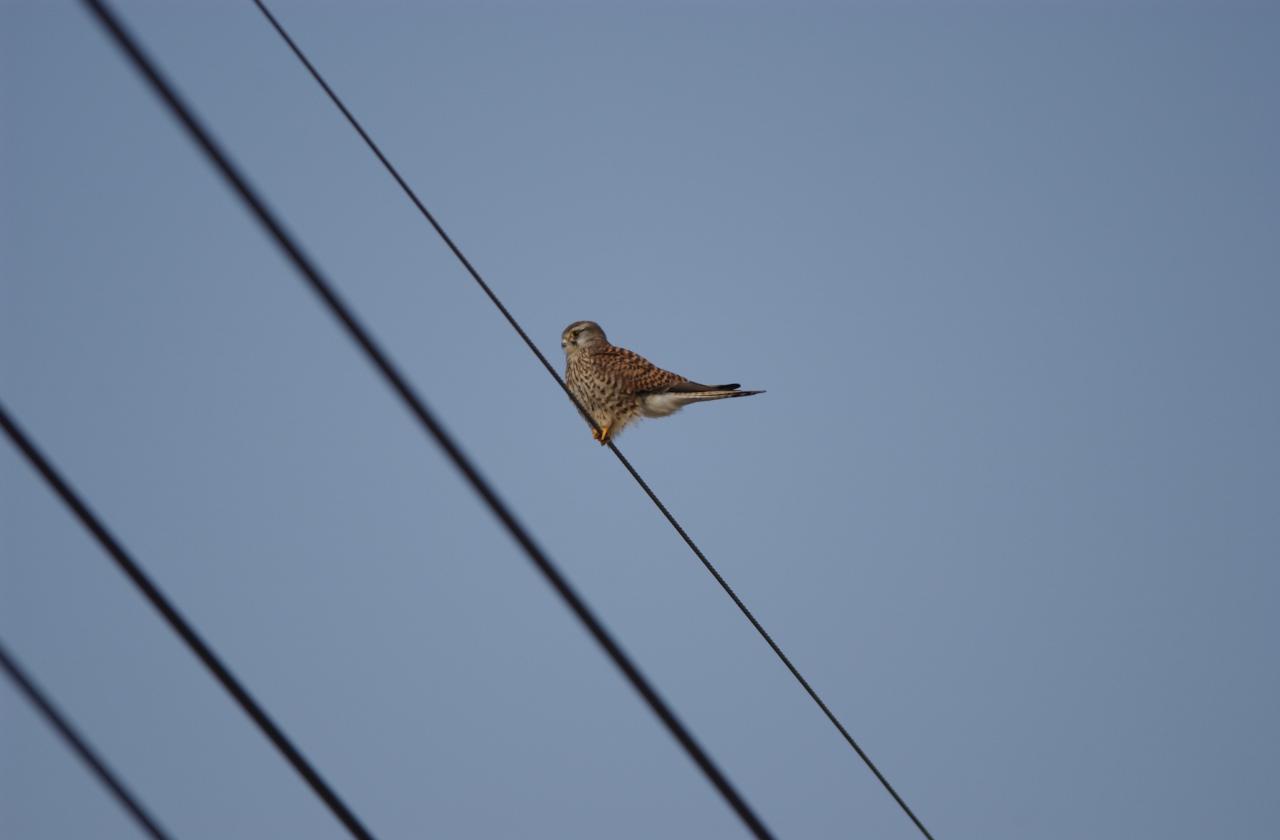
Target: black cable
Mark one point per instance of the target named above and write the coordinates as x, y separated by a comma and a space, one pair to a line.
475, 275
180, 625
80, 746
418, 408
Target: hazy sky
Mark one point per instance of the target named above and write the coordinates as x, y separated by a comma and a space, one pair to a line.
1010, 274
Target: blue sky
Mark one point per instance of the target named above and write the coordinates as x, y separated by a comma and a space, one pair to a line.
1009, 273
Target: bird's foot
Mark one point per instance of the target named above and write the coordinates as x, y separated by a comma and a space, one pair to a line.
603, 437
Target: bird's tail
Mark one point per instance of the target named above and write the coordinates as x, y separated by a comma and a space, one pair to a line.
719, 392
696, 392
664, 402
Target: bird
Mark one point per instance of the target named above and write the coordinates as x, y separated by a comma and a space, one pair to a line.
614, 386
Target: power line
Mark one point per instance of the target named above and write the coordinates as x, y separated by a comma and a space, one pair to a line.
418, 408
80, 746
179, 624
475, 275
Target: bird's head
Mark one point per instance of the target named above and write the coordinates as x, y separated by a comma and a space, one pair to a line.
581, 334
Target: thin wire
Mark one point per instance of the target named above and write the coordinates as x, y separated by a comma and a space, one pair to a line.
475, 275
80, 746
179, 624
418, 408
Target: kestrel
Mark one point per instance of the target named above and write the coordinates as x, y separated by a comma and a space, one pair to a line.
615, 386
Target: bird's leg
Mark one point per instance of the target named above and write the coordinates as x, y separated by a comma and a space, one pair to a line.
595, 433
604, 435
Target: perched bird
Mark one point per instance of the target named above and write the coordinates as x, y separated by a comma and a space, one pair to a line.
615, 386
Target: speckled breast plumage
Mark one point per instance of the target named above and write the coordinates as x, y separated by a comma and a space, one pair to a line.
600, 389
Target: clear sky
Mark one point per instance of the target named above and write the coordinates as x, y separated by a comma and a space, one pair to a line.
1010, 274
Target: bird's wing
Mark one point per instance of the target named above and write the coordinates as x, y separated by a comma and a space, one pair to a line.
637, 374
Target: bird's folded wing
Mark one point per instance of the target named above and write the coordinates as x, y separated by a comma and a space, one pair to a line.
636, 373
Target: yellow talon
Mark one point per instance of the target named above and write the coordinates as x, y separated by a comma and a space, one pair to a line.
604, 436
